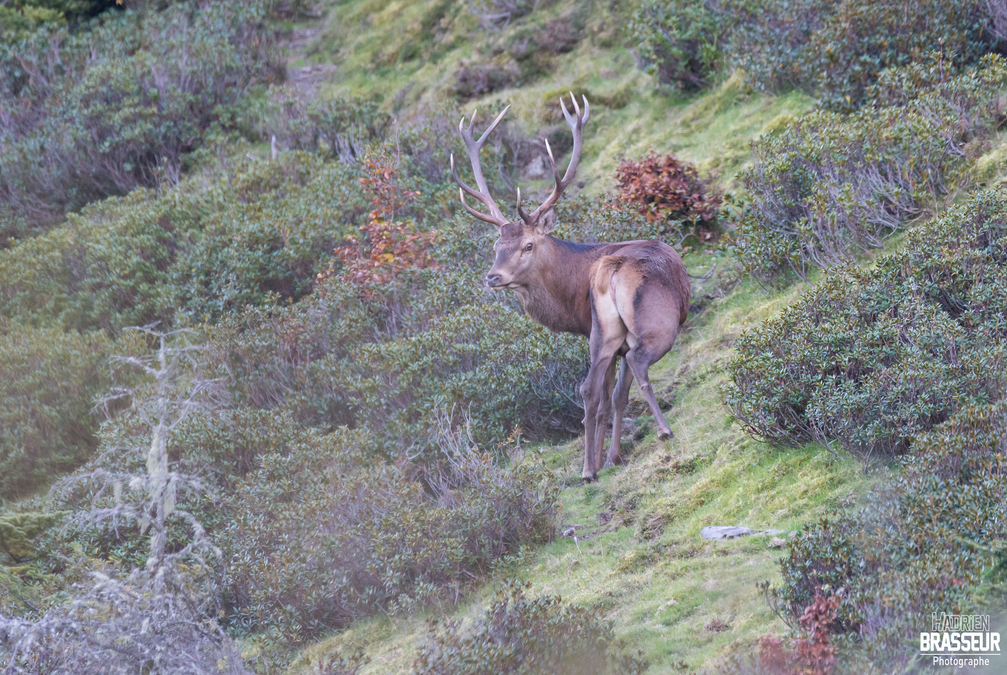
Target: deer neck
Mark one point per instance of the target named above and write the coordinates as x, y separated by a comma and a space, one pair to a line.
558, 296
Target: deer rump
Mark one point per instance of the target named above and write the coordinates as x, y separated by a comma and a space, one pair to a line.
639, 298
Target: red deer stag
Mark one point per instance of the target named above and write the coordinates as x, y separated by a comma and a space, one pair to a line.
628, 298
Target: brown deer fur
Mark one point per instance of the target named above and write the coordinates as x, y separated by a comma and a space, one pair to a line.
628, 298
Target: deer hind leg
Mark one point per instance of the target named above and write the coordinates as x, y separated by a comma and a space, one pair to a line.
620, 397
640, 358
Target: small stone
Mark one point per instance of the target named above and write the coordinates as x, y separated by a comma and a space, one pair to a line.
535, 168
719, 532
776, 542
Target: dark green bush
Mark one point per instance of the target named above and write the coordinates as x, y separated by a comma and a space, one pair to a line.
530, 636
272, 246
681, 42
870, 359
19, 19
241, 233
832, 50
829, 185
51, 379
907, 358
390, 360
862, 38
769, 42
104, 110
105, 268
924, 544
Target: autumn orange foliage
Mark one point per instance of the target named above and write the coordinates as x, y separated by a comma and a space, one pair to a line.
386, 246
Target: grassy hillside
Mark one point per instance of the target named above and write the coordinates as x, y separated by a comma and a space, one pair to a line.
408, 57
684, 601
330, 442
639, 554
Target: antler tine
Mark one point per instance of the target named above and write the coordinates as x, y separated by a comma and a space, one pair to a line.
491, 127
520, 211
576, 122
473, 147
481, 216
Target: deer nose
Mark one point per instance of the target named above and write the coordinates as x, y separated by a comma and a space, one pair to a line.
492, 279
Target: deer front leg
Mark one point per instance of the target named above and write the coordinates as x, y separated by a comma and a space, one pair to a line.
590, 471
604, 413
596, 391
620, 397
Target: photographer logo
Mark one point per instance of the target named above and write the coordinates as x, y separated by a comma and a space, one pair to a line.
960, 640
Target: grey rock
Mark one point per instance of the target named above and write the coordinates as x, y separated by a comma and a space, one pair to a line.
535, 168
718, 532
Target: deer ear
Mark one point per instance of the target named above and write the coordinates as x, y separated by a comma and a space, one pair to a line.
546, 222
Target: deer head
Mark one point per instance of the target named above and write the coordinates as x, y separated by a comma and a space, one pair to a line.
521, 248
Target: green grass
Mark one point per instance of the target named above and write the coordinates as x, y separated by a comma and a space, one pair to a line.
383, 52
638, 552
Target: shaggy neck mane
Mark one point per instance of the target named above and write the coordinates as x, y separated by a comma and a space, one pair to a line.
559, 298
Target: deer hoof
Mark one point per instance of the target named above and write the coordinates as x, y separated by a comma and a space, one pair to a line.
665, 436
590, 479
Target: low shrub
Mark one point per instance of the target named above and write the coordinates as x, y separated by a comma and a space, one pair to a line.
315, 531
531, 636
830, 185
51, 380
769, 42
861, 39
680, 43
870, 359
100, 111
242, 231
254, 251
320, 534
832, 50
478, 79
667, 188
923, 545
340, 127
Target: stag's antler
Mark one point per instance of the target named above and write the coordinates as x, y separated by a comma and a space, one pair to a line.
576, 122
495, 215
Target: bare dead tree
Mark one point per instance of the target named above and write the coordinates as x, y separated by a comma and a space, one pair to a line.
160, 618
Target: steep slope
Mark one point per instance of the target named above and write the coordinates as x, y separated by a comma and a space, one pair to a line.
638, 553
684, 601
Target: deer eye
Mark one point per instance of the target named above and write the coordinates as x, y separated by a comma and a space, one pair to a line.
527, 246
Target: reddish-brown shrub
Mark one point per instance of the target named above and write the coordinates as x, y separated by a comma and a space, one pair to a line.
388, 246
813, 652
662, 187
809, 654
